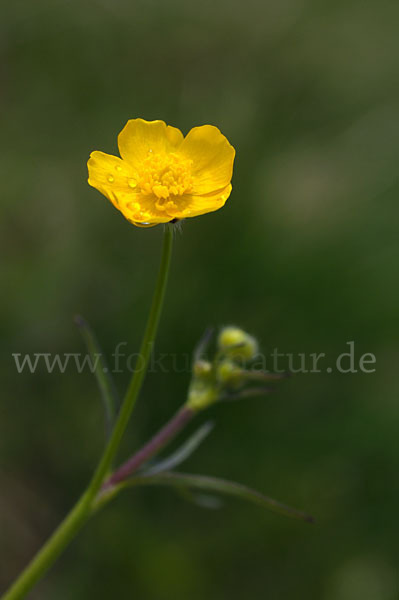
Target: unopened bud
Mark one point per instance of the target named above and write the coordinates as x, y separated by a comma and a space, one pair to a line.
237, 343
201, 396
229, 374
202, 368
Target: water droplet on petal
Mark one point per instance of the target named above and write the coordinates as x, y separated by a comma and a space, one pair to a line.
132, 183
118, 168
110, 179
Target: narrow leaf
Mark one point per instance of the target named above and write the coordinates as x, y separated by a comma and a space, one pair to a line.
183, 452
207, 501
203, 343
246, 393
102, 373
213, 484
202, 500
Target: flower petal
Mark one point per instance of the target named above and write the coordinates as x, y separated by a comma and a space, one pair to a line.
212, 157
193, 206
111, 176
141, 210
139, 137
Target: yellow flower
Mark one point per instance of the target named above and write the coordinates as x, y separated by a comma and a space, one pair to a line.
163, 176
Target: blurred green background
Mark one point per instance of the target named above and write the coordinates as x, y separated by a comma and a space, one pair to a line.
304, 255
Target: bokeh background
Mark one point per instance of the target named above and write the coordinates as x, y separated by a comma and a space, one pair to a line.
304, 255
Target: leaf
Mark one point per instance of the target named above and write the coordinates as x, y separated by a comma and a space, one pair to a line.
246, 393
213, 484
183, 452
102, 373
202, 500
203, 343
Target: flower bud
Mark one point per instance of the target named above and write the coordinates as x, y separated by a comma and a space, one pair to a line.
237, 344
229, 374
202, 368
201, 395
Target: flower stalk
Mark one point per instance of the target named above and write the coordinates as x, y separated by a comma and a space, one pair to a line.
85, 506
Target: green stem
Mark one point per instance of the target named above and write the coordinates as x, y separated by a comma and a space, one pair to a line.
83, 509
49, 553
140, 371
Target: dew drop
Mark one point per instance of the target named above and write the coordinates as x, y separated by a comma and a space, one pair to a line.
132, 183
110, 179
118, 168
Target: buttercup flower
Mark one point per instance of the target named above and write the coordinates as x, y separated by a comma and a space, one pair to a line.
163, 176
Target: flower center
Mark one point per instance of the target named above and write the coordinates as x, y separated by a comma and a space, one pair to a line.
165, 176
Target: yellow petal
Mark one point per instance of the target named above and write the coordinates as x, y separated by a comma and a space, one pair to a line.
212, 156
141, 210
193, 206
111, 176
139, 137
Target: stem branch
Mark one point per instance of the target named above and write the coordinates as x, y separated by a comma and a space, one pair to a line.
152, 447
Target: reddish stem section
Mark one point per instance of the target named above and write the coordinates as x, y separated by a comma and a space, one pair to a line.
152, 447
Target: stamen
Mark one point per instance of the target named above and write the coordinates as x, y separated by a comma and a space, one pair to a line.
165, 176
